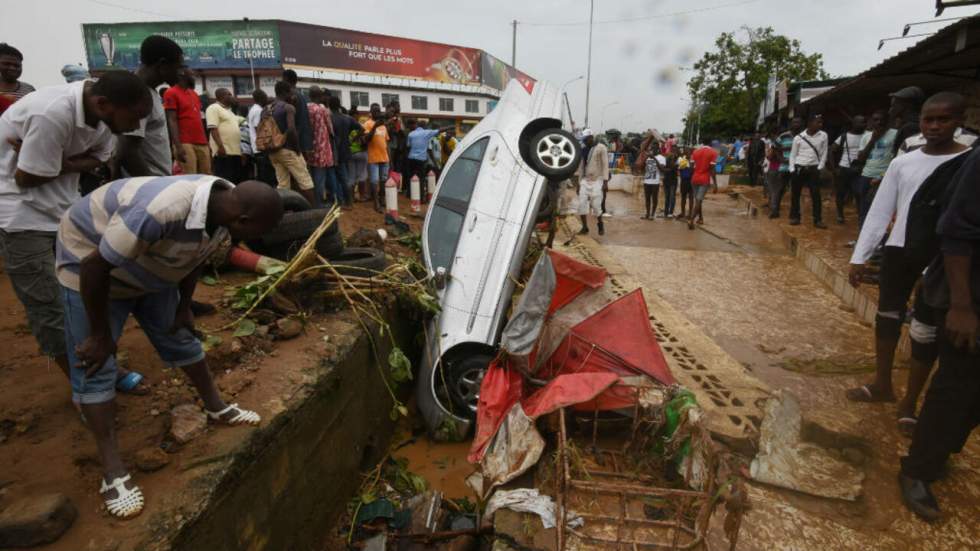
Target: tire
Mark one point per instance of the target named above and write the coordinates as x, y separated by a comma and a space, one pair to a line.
464, 376
547, 206
360, 262
292, 232
293, 201
554, 153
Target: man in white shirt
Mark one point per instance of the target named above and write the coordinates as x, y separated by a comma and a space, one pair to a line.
263, 168
964, 137
848, 146
940, 116
47, 139
806, 159
595, 175
652, 175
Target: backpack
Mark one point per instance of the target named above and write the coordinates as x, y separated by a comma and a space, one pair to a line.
268, 136
928, 203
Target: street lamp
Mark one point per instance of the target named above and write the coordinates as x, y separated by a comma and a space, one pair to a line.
602, 113
563, 86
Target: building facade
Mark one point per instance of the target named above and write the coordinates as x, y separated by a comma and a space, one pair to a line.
433, 81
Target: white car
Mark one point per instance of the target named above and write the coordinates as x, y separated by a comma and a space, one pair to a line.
493, 190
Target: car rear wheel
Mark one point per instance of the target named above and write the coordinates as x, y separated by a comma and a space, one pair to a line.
464, 377
555, 153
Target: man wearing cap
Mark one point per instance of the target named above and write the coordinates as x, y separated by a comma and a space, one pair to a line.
596, 173
904, 111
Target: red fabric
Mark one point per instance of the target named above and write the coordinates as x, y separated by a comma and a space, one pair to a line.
502, 387
5, 102
320, 121
703, 157
567, 390
617, 338
572, 278
188, 107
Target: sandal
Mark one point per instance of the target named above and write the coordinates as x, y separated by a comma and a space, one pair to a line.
906, 425
865, 393
130, 384
241, 417
127, 503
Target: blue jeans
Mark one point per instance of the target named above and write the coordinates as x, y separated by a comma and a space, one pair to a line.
325, 179
377, 174
155, 314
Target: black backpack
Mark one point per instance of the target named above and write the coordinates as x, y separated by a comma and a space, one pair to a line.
921, 240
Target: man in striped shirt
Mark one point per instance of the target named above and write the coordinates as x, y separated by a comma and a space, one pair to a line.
136, 246
11, 66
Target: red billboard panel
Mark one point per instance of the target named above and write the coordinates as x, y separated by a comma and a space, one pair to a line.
353, 51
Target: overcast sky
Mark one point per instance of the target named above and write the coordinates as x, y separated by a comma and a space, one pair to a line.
639, 47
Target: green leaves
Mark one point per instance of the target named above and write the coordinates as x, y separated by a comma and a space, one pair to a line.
401, 367
209, 280
245, 328
210, 341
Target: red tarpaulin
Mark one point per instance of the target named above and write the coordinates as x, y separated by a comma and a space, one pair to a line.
501, 388
572, 277
567, 390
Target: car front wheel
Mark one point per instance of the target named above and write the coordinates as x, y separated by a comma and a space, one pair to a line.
555, 154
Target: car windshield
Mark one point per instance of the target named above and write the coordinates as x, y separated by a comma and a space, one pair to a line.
451, 202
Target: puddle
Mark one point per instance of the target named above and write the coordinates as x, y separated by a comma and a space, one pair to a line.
443, 465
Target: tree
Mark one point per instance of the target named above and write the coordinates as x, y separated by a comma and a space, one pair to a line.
730, 81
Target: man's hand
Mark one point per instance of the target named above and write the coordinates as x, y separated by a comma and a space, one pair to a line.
79, 163
307, 155
221, 151
183, 319
875, 181
93, 353
15, 143
180, 154
961, 327
856, 274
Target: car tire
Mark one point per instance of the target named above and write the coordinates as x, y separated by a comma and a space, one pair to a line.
292, 232
547, 206
359, 262
293, 201
464, 376
555, 153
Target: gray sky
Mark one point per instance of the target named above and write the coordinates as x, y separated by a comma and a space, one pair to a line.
636, 59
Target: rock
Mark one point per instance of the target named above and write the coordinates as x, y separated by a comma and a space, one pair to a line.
151, 459
366, 238
281, 304
236, 346
187, 421
36, 520
262, 331
288, 328
263, 316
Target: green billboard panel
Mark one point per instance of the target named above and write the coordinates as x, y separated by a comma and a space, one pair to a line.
206, 44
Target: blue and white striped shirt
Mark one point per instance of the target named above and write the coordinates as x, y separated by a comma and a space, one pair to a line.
151, 229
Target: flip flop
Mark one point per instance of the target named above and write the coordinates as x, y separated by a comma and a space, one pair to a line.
864, 393
130, 384
906, 426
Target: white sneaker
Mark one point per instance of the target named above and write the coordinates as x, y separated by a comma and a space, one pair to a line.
606, 215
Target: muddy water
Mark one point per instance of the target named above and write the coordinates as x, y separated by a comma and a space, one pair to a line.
443, 465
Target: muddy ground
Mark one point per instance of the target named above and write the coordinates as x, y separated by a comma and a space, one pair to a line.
47, 449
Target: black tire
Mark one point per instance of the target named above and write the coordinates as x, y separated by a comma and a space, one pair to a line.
360, 262
292, 232
293, 201
547, 206
554, 153
464, 376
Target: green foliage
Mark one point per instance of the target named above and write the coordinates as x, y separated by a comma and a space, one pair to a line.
412, 241
246, 295
209, 280
401, 367
210, 341
245, 328
730, 81
404, 480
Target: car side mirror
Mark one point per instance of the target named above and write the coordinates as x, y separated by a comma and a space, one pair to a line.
442, 275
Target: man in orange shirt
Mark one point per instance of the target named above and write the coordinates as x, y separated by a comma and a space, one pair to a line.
376, 138
704, 159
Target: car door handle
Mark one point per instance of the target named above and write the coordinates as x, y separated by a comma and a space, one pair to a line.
472, 223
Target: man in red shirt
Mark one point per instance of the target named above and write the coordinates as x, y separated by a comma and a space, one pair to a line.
184, 113
704, 159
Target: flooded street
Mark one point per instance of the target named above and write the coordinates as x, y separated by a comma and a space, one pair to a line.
735, 280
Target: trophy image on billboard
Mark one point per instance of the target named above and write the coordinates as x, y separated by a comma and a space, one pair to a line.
455, 67
108, 47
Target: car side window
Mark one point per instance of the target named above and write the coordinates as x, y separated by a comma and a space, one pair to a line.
451, 202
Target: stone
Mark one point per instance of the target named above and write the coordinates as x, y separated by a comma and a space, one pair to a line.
36, 520
288, 328
262, 331
151, 459
281, 304
366, 238
236, 346
263, 316
187, 422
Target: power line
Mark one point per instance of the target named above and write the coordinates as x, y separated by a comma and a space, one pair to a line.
135, 10
642, 18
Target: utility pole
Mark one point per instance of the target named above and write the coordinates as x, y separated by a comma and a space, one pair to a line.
513, 45
588, 70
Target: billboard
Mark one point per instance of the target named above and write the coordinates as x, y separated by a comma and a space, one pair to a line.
354, 51
496, 74
207, 45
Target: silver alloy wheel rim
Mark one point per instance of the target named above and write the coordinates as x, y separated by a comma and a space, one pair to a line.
468, 387
556, 151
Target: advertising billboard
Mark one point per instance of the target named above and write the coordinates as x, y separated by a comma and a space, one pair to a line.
206, 45
352, 51
496, 74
